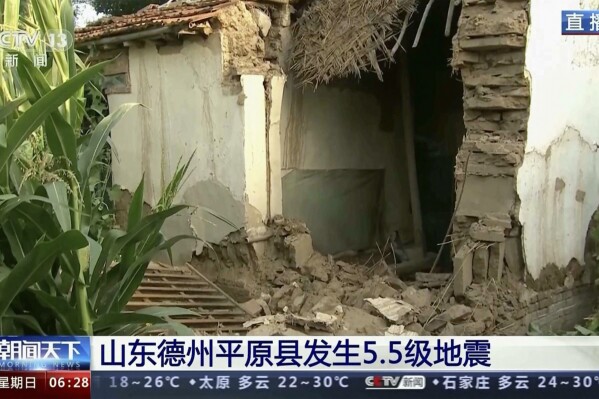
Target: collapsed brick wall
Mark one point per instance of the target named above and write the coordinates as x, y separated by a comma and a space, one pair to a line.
489, 51
556, 310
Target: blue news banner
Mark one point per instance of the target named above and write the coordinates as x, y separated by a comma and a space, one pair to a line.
314, 367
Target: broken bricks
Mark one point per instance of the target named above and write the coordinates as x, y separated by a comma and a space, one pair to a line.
462, 269
496, 261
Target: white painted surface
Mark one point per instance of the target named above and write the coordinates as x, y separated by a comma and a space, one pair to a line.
339, 128
189, 108
563, 130
277, 87
255, 155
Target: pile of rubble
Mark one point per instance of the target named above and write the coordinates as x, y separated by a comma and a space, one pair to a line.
300, 291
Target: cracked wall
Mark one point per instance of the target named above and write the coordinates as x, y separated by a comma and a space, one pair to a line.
558, 181
529, 158
193, 106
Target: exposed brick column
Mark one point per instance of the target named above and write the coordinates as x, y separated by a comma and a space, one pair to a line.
489, 50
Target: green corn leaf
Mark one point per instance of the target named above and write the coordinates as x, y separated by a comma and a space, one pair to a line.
120, 287
16, 244
57, 193
27, 321
36, 265
136, 207
60, 134
112, 321
107, 255
67, 316
9, 108
98, 140
31, 119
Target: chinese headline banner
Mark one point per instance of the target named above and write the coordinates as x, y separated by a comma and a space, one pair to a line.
345, 353
296, 367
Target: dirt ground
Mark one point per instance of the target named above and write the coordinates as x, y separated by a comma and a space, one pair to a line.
291, 289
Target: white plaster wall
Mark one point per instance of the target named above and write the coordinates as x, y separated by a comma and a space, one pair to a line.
189, 108
255, 144
340, 128
558, 183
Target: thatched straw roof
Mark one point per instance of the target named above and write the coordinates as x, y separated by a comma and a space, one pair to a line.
341, 38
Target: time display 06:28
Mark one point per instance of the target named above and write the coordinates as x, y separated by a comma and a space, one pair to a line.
65, 382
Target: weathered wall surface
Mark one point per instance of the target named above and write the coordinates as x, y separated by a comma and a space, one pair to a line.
558, 181
189, 108
489, 51
333, 145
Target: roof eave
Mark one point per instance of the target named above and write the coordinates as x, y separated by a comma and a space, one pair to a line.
148, 34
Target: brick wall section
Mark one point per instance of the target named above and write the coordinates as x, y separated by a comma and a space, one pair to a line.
556, 310
489, 51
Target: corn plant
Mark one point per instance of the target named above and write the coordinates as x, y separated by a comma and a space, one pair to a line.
56, 277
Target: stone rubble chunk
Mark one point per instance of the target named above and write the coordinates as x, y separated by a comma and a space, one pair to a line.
496, 261
418, 298
462, 269
456, 313
392, 309
252, 307
300, 249
480, 232
400, 331
480, 264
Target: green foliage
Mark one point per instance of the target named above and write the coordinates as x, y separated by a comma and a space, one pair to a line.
60, 273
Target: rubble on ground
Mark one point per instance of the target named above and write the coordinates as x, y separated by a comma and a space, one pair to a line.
298, 291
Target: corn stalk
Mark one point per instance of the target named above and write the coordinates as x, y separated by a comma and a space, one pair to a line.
53, 274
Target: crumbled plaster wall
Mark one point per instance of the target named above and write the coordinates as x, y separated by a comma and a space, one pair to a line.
217, 97
489, 51
558, 183
194, 104
243, 46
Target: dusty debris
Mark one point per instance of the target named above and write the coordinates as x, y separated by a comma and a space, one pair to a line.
419, 298
481, 232
252, 307
320, 321
317, 266
300, 249
500, 220
470, 329
327, 296
480, 264
359, 322
462, 269
456, 313
432, 280
274, 330
392, 309
496, 261
242, 45
262, 20
482, 314
329, 305
400, 330
265, 320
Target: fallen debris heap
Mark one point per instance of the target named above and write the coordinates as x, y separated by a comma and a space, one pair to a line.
290, 289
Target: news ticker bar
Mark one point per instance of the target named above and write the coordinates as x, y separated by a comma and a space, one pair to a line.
235, 385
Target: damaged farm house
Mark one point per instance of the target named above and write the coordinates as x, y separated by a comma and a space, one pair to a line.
341, 142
